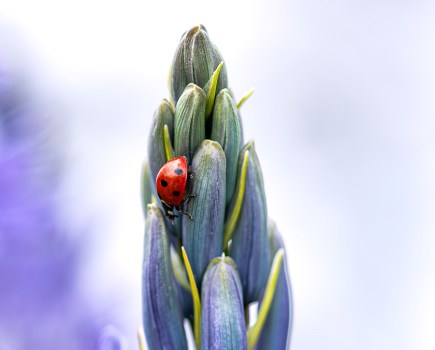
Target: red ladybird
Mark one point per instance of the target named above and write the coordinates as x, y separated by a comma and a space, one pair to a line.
171, 184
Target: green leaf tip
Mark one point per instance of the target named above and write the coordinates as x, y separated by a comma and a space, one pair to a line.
196, 301
245, 97
230, 225
210, 90
255, 330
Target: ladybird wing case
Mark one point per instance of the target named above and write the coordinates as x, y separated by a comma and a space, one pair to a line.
171, 181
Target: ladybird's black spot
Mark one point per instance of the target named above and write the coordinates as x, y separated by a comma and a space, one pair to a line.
178, 171
163, 182
176, 193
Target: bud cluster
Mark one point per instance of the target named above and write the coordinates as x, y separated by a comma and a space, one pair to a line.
209, 266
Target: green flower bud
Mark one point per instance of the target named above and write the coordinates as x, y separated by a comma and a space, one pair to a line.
164, 115
162, 315
195, 61
250, 245
202, 236
227, 130
190, 120
222, 317
277, 328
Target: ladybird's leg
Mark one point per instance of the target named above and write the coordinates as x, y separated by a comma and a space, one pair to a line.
183, 212
190, 172
186, 213
169, 210
190, 175
187, 198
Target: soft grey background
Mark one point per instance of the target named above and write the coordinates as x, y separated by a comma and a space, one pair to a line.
343, 121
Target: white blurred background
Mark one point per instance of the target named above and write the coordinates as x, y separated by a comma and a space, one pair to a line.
343, 120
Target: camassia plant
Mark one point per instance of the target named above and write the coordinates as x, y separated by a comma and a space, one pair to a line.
213, 261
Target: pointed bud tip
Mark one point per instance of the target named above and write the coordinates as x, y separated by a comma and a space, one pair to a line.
211, 143
193, 88
250, 144
223, 260
152, 207
197, 28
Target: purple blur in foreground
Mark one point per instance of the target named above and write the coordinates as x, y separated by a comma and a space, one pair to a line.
40, 306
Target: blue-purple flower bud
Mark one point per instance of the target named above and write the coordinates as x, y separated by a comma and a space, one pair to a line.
227, 130
222, 318
277, 328
202, 236
250, 245
162, 315
190, 120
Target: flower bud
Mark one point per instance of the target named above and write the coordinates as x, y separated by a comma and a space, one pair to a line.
202, 236
277, 328
250, 245
227, 130
190, 120
156, 147
162, 315
222, 317
195, 61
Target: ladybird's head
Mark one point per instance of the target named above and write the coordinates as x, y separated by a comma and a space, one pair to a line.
188, 156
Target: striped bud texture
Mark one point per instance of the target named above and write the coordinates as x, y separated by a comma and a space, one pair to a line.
250, 245
209, 257
195, 60
276, 331
223, 317
162, 315
202, 237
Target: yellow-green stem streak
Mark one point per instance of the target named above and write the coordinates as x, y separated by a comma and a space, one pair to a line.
230, 225
196, 301
212, 91
167, 143
179, 273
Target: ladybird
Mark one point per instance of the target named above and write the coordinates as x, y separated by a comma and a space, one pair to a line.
171, 183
